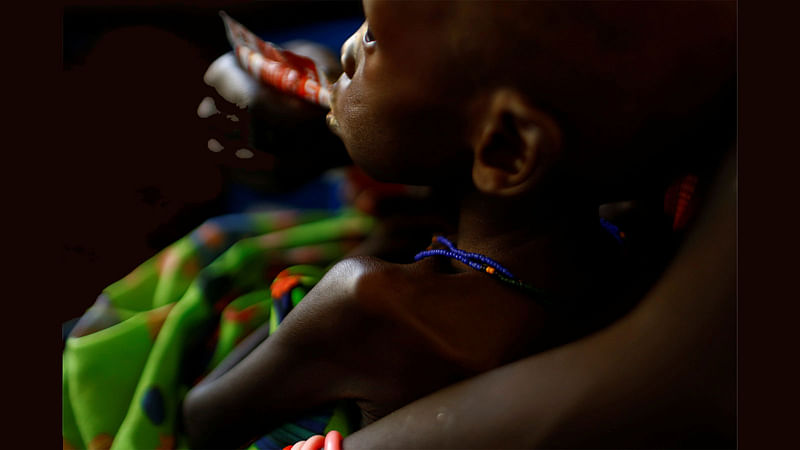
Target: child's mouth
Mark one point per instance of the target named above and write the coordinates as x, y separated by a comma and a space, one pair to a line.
330, 118
333, 124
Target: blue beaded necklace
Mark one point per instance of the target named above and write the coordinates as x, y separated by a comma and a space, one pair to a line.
481, 263
484, 264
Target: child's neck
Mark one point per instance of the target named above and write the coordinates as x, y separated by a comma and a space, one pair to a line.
549, 246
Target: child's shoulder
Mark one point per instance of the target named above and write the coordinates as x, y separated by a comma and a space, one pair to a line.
466, 318
376, 284
370, 282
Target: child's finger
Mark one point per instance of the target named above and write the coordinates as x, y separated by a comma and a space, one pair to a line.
231, 81
315, 442
228, 130
239, 154
333, 440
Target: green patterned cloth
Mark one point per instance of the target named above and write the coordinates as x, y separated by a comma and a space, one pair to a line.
149, 337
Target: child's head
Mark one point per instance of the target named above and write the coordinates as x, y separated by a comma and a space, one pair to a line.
503, 93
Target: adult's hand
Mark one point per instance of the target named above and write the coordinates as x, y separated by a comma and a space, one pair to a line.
664, 375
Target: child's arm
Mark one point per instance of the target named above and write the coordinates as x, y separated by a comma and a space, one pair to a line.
665, 371
288, 373
334, 345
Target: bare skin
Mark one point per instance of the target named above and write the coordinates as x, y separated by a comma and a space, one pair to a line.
386, 334
378, 333
664, 376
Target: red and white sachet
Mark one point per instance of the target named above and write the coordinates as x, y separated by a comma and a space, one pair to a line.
271, 65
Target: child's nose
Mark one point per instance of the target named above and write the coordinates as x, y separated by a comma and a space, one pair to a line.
349, 52
348, 56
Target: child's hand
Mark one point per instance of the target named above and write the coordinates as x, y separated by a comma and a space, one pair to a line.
231, 81
257, 128
238, 87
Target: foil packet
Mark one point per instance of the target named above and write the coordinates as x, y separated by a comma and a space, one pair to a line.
273, 66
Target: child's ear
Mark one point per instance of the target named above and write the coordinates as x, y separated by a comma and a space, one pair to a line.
514, 144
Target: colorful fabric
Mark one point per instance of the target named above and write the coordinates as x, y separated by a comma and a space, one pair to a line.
149, 337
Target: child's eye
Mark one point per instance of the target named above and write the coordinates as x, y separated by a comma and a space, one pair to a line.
368, 37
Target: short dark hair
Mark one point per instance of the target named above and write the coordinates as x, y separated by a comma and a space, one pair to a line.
636, 87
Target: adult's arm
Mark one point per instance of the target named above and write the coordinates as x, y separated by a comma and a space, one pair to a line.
663, 375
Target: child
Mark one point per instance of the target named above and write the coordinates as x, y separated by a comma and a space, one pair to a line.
531, 114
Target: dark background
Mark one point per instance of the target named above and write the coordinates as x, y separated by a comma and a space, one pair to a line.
766, 113
132, 172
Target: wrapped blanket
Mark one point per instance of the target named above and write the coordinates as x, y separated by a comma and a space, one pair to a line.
149, 337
